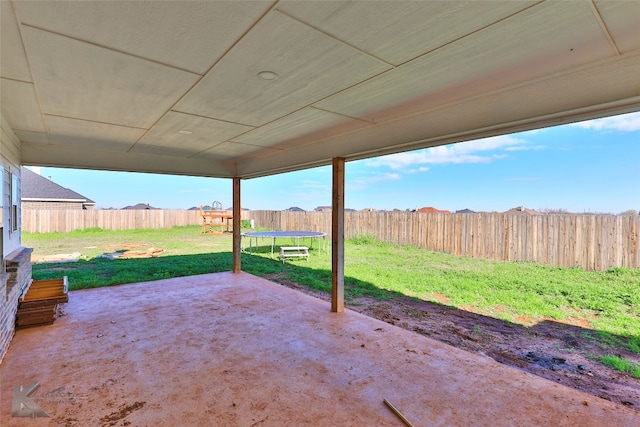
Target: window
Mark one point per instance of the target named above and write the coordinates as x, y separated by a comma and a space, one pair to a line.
14, 203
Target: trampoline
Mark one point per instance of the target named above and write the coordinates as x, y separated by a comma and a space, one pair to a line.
294, 235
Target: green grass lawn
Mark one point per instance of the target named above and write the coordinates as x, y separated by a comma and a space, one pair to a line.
521, 292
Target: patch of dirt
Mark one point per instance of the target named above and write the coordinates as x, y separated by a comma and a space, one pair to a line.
130, 254
560, 352
38, 259
122, 412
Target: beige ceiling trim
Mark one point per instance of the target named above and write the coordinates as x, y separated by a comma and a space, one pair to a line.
531, 117
605, 29
549, 77
48, 155
581, 114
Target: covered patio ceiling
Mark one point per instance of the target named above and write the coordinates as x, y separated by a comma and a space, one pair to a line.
248, 89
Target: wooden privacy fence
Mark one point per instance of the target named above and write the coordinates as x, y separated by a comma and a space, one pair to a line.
65, 220
592, 242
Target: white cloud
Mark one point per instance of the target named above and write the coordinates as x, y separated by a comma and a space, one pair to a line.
379, 178
313, 184
464, 152
525, 147
364, 182
626, 123
421, 169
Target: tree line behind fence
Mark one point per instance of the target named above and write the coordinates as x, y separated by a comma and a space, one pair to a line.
589, 241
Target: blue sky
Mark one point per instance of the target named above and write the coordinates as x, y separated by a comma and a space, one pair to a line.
592, 166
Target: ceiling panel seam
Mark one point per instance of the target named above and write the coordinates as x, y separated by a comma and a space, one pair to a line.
537, 122
580, 68
415, 58
213, 118
342, 114
233, 142
577, 114
604, 27
290, 114
10, 79
18, 22
198, 81
93, 121
101, 46
287, 115
191, 156
470, 34
332, 37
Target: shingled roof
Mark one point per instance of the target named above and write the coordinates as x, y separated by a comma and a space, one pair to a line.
36, 188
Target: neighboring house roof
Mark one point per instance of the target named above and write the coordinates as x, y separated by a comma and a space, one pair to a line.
140, 206
329, 209
36, 188
465, 211
294, 209
521, 210
430, 209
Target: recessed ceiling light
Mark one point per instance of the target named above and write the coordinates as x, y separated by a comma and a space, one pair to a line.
267, 75
185, 132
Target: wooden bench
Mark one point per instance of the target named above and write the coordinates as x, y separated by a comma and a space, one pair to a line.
294, 251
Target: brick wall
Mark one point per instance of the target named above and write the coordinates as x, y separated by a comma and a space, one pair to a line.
51, 205
18, 274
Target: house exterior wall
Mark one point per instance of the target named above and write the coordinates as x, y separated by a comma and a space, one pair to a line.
53, 205
15, 265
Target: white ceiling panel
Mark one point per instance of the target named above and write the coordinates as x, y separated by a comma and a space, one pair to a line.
380, 30
170, 151
129, 162
13, 59
309, 66
190, 35
478, 119
24, 112
34, 137
91, 135
301, 127
484, 61
81, 80
115, 81
234, 149
622, 19
204, 134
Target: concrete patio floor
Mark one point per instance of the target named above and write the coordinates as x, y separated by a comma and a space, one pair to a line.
237, 350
